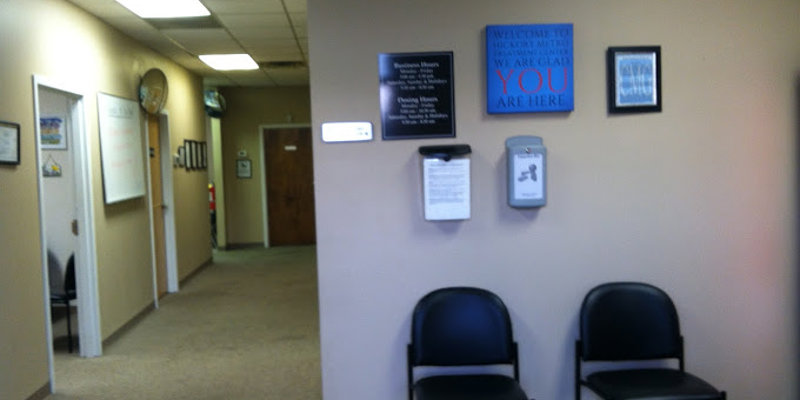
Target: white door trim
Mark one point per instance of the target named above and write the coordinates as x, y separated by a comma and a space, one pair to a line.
168, 197
89, 334
263, 160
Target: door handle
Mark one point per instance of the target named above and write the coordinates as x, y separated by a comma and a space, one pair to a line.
75, 227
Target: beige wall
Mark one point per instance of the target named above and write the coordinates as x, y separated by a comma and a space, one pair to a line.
697, 199
56, 40
249, 108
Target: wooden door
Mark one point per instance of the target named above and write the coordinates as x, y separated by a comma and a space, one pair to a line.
290, 186
158, 204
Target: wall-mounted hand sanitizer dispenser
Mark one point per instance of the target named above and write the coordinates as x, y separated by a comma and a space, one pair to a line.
527, 166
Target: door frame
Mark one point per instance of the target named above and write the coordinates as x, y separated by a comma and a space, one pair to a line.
167, 194
89, 334
264, 208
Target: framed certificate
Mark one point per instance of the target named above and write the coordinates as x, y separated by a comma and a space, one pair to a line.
634, 79
244, 168
9, 143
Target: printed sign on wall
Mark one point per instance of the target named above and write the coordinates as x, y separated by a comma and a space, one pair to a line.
529, 68
417, 95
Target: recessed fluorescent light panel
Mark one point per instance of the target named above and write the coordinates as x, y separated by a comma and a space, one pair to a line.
165, 8
229, 62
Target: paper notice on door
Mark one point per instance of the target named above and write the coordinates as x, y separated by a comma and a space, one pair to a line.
446, 189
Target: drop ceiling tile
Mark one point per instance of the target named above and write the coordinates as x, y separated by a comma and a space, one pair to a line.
274, 20
220, 7
204, 41
279, 57
301, 31
192, 62
271, 44
299, 19
296, 5
250, 35
188, 35
262, 26
250, 78
133, 26
103, 8
294, 54
290, 77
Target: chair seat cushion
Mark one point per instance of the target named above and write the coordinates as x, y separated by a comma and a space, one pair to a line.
468, 387
651, 384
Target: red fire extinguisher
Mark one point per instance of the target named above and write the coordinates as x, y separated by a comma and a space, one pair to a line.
212, 198
212, 207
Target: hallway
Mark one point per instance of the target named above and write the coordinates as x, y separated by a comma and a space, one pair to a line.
246, 327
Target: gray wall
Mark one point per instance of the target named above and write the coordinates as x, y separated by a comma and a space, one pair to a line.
697, 199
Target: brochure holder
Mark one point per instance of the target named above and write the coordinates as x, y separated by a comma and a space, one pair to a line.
446, 182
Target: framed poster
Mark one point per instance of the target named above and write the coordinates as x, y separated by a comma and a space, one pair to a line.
529, 68
195, 155
9, 143
204, 152
52, 132
244, 168
121, 148
634, 79
189, 154
181, 156
417, 95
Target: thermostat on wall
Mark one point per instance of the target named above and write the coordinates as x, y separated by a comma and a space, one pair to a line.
346, 131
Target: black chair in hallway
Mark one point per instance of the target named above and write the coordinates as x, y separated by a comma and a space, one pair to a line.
631, 321
462, 326
66, 295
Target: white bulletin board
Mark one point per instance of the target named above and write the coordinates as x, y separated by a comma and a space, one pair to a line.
120, 148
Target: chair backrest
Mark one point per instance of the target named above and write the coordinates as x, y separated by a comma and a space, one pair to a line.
461, 326
629, 321
69, 275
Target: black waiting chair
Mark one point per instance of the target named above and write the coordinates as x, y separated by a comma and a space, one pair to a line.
66, 295
463, 326
630, 321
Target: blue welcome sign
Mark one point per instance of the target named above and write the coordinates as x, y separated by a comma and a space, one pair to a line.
529, 68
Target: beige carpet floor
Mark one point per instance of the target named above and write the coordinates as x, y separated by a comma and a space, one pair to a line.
246, 327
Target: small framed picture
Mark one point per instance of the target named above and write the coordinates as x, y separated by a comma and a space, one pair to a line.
634, 79
9, 143
187, 144
53, 133
205, 155
244, 168
188, 151
181, 156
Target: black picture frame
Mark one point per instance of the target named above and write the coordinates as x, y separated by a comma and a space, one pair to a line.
204, 146
634, 79
9, 143
187, 144
417, 95
195, 155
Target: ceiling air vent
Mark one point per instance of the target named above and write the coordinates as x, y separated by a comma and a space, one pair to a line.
281, 64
